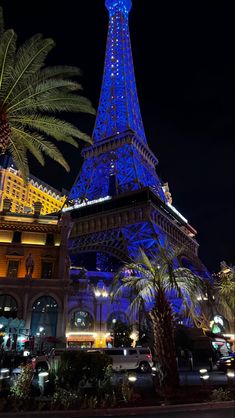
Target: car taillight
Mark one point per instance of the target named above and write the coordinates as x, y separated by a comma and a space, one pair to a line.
149, 356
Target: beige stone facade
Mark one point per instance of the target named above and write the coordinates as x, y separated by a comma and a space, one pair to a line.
33, 276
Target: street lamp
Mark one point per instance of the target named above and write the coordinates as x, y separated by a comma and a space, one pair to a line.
101, 293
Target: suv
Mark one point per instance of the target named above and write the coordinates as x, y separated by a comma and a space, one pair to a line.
139, 358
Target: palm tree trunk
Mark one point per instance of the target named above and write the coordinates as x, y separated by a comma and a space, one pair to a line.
4, 135
164, 344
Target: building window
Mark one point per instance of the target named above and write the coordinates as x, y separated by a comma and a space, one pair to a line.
47, 269
44, 315
16, 237
82, 321
8, 306
12, 269
50, 239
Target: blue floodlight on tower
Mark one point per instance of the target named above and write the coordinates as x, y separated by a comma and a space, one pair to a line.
120, 159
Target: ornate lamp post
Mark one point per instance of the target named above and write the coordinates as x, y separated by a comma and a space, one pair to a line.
101, 294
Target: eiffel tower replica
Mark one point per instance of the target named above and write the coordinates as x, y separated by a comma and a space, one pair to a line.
118, 202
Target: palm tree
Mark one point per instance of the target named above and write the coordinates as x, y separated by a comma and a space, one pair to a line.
156, 282
225, 291
29, 94
221, 296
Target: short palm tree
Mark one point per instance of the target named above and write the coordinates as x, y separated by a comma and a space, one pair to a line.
30, 94
155, 283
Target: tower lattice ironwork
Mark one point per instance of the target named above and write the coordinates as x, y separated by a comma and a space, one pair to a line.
120, 159
119, 203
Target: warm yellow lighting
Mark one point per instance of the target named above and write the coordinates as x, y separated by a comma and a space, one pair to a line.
5, 241
23, 196
33, 238
227, 270
93, 334
134, 336
6, 236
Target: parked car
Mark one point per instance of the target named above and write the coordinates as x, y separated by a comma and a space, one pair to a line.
139, 358
226, 362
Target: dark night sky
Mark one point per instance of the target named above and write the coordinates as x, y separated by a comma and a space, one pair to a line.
183, 54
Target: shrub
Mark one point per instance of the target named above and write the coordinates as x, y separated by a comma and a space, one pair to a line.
82, 369
221, 395
64, 398
124, 389
21, 388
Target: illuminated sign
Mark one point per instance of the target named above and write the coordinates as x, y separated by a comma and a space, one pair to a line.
89, 202
217, 324
177, 212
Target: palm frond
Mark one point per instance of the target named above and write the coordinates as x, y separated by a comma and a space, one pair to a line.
62, 72
38, 141
18, 153
59, 71
29, 59
51, 126
61, 102
33, 92
145, 260
7, 52
24, 141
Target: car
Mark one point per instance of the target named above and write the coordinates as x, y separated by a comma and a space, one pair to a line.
129, 358
226, 362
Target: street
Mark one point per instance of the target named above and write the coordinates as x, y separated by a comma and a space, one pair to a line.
206, 412
221, 413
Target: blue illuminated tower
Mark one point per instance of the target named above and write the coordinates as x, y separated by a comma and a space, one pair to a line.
120, 160
118, 200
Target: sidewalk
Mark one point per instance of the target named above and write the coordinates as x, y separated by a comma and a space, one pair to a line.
150, 410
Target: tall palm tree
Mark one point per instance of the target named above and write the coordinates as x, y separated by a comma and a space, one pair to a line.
30, 94
156, 282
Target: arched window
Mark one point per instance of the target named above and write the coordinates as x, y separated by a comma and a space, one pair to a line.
82, 321
44, 316
116, 316
8, 306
